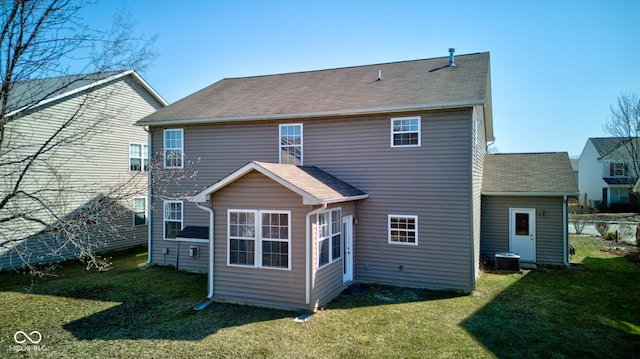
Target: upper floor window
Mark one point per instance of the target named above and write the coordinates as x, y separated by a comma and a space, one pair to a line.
618, 169
405, 132
138, 157
291, 144
173, 148
403, 229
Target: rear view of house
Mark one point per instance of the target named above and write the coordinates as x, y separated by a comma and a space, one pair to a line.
307, 182
70, 149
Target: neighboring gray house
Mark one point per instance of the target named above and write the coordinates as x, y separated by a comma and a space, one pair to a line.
524, 206
607, 172
314, 180
102, 149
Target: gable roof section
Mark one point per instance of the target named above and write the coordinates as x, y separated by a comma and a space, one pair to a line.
528, 174
405, 86
313, 184
607, 145
27, 95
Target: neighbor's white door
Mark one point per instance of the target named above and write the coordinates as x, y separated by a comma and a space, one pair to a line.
347, 249
522, 233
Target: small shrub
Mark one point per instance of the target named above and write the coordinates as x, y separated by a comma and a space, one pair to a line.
602, 207
610, 236
602, 227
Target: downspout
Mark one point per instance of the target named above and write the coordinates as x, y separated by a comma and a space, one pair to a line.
149, 216
307, 294
211, 216
565, 236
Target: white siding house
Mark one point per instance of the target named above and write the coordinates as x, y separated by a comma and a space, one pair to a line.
100, 150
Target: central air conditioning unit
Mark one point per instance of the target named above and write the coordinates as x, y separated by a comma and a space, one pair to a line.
507, 262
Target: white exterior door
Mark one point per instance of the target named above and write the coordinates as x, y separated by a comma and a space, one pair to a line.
347, 249
522, 233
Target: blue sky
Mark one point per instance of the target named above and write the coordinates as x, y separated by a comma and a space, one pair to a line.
556, 66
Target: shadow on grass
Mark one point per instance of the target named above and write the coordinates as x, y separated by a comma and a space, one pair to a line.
592, 311
142, 303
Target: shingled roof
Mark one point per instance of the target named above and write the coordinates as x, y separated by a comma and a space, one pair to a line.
404, 86
528, 174
313, 184
606, 145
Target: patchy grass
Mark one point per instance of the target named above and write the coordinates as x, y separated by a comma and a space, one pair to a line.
591, 310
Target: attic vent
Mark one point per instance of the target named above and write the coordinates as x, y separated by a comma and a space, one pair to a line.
451, 62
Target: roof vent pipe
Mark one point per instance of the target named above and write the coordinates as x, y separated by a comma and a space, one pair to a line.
451, 62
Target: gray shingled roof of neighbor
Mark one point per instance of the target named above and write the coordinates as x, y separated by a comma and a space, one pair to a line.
313, 184
529, 174
404, 86
606, 145
26, 95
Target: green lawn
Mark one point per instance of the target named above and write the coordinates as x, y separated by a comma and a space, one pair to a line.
592, 310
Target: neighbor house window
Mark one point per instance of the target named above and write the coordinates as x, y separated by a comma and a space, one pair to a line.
618, 195
291, 144
139, 211
329, 236
259, 238
173, 214
405, 132
618, 169
403, 229
173, 148
138, 157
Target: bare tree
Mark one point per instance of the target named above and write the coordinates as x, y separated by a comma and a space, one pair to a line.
578, 216
44, 39
622, 123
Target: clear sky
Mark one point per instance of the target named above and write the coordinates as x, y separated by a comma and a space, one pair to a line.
556, 66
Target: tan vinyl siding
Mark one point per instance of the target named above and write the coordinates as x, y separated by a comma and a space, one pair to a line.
432, 181
96, 164
327, 281
478, 142
278, 288
549, 227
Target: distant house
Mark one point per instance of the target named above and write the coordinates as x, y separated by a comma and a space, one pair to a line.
606, 172
315, 180
524, 206
107, 150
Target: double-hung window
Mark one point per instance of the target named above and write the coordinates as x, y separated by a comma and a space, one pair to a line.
403, 229
138, 157
329, 236
173, 148
139, 211
259, 238
405, 132
173, 214
618, 169
291, 144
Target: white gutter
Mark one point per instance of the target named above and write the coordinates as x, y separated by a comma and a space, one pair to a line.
531, 194
307, 294
211, 267
149, 181
565, 237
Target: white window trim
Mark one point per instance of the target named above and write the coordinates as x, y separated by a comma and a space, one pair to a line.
146, 212
301, 141
389, 241
164, 147
257, 263
407, 118
143, 153
164, 218
329, 237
